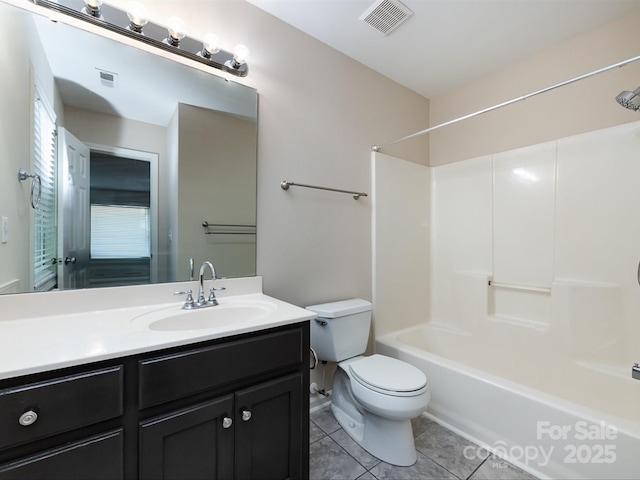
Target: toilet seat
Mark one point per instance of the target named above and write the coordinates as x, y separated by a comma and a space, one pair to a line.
388, 376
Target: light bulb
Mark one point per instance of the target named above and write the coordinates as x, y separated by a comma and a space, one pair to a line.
94, 4
137, 16
210, 45
92, 7
177, 30
240, 55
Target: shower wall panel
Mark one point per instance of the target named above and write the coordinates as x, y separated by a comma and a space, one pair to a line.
400, 243
523, 215
461, 219
562, 216
598, 236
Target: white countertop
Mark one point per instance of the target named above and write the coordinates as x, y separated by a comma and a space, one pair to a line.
60, 329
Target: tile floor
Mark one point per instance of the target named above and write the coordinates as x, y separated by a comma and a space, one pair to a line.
334, 455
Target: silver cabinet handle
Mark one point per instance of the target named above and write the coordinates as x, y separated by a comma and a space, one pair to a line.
227, 422
246, 415
28, 418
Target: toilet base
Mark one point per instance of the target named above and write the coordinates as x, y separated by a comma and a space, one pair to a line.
389, 440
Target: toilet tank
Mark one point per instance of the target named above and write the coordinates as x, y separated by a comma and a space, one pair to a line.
341, 330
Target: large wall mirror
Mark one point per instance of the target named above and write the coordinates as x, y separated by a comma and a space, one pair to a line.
144, 162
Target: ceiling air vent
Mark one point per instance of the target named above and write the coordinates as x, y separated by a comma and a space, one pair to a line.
108, 79
386, 15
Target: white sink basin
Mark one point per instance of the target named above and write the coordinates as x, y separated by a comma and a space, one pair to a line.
175, 319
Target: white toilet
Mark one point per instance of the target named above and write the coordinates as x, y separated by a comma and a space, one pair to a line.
374, 398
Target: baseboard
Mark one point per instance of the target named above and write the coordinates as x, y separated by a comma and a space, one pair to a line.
318, 402
12, 286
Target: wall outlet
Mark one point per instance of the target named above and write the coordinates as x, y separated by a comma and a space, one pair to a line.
5, 229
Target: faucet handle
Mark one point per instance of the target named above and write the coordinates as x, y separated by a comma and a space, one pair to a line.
212, 297
189, 301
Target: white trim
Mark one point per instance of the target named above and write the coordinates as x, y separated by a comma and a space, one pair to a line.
318, 402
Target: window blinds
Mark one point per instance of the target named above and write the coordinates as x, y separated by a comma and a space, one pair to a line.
120, 232
44, 217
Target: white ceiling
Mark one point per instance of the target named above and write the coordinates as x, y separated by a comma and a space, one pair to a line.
446, 43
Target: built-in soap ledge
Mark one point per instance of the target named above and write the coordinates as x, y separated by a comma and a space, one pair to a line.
523, 305
23, 306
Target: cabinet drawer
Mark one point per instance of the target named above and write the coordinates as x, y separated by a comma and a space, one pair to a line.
170, 377
61, 404
95, 458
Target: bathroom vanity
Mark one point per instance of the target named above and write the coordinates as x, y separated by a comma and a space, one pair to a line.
229, 402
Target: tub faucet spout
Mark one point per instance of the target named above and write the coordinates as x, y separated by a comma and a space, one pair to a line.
635, 371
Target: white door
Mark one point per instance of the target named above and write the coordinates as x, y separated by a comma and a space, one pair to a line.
74, 222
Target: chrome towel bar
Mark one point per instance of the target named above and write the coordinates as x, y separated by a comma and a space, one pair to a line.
356, 195
228, 229
35, 199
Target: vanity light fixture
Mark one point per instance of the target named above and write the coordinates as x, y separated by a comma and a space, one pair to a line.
131, 22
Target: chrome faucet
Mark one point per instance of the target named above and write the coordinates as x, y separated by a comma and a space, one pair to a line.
212, 298
201, 302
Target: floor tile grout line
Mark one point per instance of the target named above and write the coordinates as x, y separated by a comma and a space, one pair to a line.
478, 467
441, 466
345, 451
354, 458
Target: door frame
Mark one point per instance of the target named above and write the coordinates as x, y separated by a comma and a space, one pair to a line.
152, 158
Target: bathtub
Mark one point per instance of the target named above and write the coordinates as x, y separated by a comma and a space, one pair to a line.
552, 417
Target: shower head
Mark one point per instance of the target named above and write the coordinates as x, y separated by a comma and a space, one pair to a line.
630, 100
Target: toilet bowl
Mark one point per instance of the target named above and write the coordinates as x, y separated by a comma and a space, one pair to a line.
374, 398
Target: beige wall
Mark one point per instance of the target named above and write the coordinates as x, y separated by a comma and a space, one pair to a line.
214, 189
580, 107
319, 114
14, 153
22, 63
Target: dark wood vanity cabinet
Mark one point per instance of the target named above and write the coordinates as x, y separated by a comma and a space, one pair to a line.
255, 433
228, 408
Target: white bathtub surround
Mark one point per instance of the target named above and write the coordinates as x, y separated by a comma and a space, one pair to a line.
400, 240
533, 301
554, 227
53, 330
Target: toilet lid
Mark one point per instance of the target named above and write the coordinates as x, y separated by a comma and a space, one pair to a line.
386, 373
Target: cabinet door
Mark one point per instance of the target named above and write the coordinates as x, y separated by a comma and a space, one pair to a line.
194, 443
270, 428
95, 458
